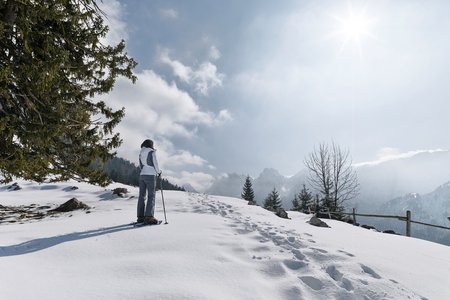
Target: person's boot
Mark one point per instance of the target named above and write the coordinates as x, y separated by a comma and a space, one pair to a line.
150, 220
140, 220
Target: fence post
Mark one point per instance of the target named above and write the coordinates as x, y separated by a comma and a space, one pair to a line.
354, 216
317, 207
408, 223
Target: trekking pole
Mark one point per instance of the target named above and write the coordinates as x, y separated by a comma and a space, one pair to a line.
162, 197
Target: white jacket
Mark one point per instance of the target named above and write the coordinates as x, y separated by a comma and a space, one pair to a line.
148, 162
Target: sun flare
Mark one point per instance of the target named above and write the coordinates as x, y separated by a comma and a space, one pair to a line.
353, 28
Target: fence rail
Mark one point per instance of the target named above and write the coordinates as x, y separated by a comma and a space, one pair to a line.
406, 218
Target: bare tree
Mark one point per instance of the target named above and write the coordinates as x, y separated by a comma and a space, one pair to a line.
320, 178
331, 174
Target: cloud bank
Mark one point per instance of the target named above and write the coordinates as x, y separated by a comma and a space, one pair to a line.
203, 77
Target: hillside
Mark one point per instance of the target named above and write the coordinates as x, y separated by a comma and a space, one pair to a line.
213, 248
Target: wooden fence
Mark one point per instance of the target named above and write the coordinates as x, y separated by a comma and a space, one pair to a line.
406, 218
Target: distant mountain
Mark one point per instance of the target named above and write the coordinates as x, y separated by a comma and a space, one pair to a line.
228, 185
420, 173
266, 182
379, 182
232, 184
432, 208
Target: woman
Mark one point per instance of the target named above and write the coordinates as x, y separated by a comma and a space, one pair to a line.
147, 183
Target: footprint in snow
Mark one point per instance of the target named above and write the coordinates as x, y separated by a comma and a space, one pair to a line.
312, 282
298, 255
261, 249
369, 271
339, 277
334, 273
319, 250
346, 253
294, 264
274, 269
394, 281
292, 293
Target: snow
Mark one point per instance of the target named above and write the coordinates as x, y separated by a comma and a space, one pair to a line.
213, 248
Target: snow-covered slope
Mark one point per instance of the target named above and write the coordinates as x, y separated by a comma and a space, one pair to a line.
213, 248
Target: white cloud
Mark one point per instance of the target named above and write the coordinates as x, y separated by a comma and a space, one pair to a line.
198, 180
202, 78
388, 154
117, 27
159, 110
169, 13
223, 117
183, 158
184, 73
206, 77
214, 53
172, 159
154, 105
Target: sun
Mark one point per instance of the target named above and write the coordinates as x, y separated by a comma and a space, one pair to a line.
353, 28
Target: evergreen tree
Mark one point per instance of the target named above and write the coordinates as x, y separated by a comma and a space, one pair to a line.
247, 191
123, 171
296, 204
303, 200
273, 201
52, 65
306, 199
319, 204
166, 185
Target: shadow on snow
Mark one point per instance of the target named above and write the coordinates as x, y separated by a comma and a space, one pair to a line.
44, 243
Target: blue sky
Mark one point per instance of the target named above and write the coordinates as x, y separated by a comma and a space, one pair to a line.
237, 86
